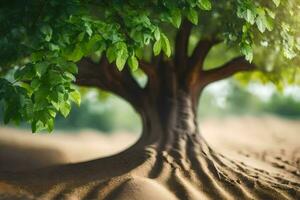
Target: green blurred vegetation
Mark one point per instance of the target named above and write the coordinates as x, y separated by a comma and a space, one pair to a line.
104, 115
284, 106
109, 113
240, 100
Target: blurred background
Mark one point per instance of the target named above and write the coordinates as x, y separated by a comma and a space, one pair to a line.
228, 98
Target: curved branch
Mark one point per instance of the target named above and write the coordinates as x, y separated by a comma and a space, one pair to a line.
236, 65
181, 45
200, 52
195, 65
88, 74
151, 71
148, 68
105, 76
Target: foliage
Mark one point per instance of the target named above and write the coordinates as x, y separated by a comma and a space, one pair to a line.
239, 100
42, 41
283, 106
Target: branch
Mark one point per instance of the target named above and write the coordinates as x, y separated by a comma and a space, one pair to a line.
236, 65
200, 52
181, 44
88, 74
148, 68
105, 76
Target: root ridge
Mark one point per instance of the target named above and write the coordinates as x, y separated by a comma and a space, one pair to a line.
185, 169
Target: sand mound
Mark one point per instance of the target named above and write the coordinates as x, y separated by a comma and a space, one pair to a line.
141, 187
257, 141
40, 150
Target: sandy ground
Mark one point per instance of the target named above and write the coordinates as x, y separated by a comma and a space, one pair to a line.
271, 140
260, 142
22, 150
267, 143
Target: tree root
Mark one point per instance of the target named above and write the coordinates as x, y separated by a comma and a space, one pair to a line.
186, 169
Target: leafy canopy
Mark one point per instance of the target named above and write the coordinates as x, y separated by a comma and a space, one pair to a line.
41, 41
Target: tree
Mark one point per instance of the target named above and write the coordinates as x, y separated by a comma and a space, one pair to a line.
46, 46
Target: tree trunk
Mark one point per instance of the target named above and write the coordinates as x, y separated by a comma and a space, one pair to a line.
180, 158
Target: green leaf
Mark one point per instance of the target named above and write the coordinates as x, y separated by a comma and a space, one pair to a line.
165, 44
64, 108
47, 31
94, 44
147, 38
157, 47
298, 44
55, 105
54, 47
72, 68
88, 29
50, 125
75, 97
55, 78
157, 34
25, 73
270, 13
263, 21
121, 60
260, 24
37, 126
269, 23
204, 4
276, 2
246, 49
76, 54
111, 54
68, 76
192, 15
176, 17
250, 16
41, 68
26, 86
80, 36
36, 56
35, 83
52, 112
133, 63
122, 55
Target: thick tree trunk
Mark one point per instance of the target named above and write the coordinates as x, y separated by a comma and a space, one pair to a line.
172, 152
167, 120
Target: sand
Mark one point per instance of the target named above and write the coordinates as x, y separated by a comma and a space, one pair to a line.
266, 144
41, 150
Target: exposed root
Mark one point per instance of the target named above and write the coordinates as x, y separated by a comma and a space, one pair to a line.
186, 169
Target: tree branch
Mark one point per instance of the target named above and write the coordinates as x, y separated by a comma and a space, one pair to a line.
88, 74
200, 52
181, 45
148, 68
105, 76
236, 65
